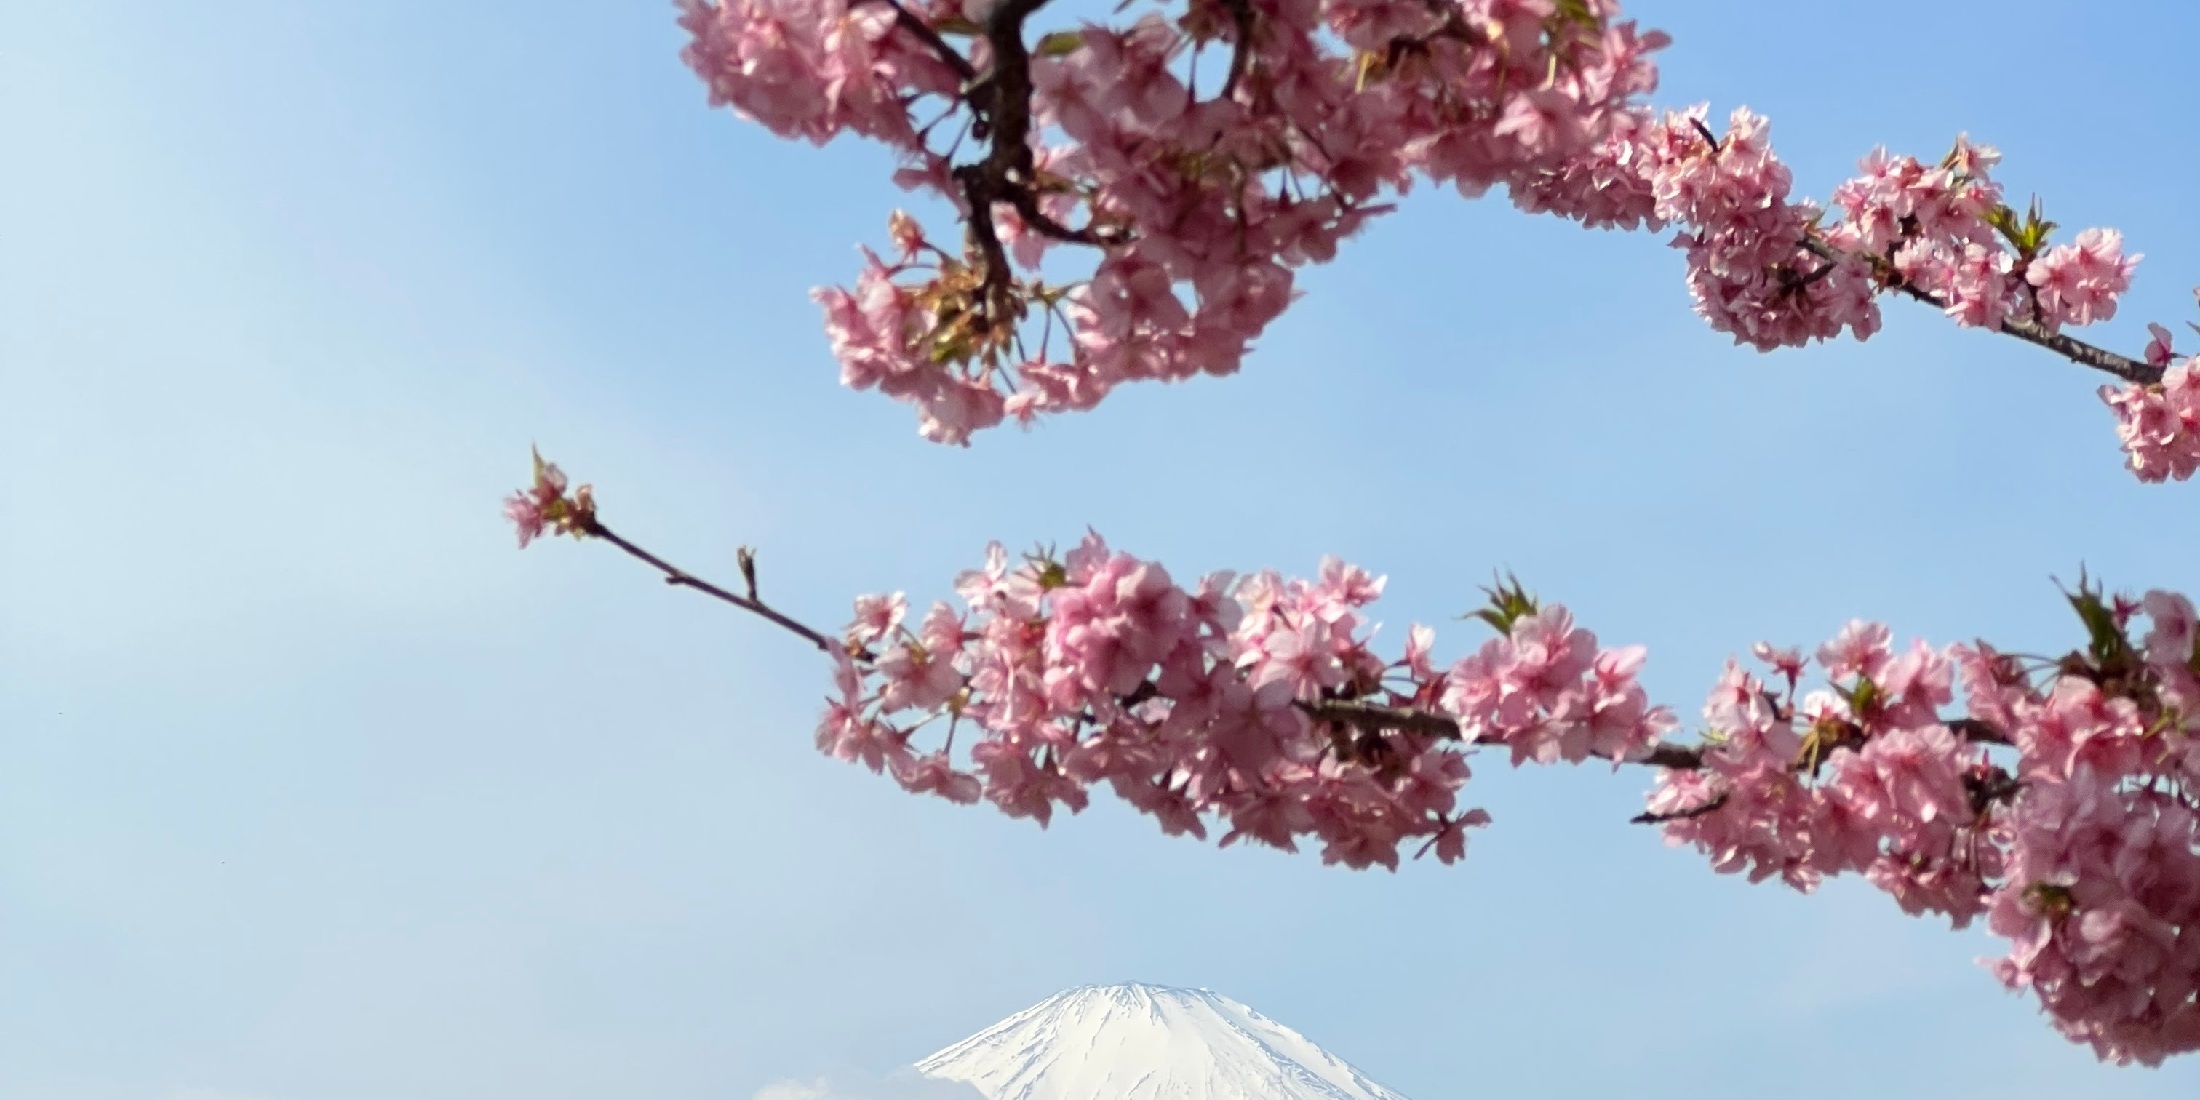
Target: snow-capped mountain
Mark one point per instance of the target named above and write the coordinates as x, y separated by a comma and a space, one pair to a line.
1147, 1042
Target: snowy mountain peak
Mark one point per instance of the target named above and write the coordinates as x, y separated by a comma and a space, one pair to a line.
1147, 1042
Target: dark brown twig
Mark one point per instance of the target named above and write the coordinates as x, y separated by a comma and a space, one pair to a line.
1995, 786
1977, 732
1709, 138
923, 32
1374, 716
1241, 45
1001, 99
1688, 814
674, 575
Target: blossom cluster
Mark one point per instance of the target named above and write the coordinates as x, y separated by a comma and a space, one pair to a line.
1204, 200
2062, 809
1858, 778
1775, 272
1257, 702
545, 507
1212, 152
2159, 423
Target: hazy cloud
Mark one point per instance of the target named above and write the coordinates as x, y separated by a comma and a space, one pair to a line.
903, 1084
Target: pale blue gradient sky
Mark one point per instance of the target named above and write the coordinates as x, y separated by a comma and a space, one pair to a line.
311, 788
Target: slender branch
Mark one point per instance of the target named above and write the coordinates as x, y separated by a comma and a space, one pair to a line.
2084, 354
1977, 732
2027, 330
1995, 786
1680, 815
1680, 758
1371, 717
923, 32
1998, 787
674, 575
1001, 99
1241, 45
1709, 138
1026, 202
1374, 716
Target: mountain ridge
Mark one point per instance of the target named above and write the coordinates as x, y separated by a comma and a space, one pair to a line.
1139, 1041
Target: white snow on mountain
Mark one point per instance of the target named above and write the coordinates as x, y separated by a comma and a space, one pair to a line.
1146, 1042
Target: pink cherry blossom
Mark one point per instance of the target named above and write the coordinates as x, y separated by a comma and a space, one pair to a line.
2081, 846
2159, 424
545, 507
1097, 668
2078, 283
2159, 352
1209, 262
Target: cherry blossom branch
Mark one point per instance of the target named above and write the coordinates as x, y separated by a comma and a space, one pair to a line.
1322, 119
2023, 328
1987, 788
1371, 717
681, 578
1375, 717
546, 507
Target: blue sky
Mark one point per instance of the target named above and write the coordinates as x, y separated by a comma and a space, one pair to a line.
311, 788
